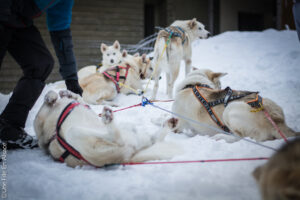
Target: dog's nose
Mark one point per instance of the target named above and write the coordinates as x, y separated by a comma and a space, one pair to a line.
209, 35
112, 61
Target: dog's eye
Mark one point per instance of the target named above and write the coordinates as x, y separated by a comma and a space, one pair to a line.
108, 54
114, 53
200, 28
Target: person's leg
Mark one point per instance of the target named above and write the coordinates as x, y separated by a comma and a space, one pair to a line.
296, 11
63, 45
29, 50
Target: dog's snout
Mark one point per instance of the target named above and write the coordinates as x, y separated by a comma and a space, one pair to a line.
209, 35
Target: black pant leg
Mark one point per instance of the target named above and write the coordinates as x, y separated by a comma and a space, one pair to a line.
5, 36
29, 50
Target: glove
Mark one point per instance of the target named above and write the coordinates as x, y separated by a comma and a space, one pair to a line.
73, 86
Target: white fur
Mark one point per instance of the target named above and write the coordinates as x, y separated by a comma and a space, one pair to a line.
99, 141
111, 57
176, 52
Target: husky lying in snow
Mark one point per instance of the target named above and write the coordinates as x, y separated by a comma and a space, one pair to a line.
111, 56
94, 141
184, 32
100, 87
200, 94
279, 177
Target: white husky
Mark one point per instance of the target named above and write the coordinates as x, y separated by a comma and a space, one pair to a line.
94, 141
184, 32
98, 88
200, 98
111, 57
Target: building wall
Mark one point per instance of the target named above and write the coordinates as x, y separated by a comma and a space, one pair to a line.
93, 22
229, 12
184, 10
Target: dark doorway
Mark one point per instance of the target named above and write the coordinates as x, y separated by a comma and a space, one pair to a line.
149, 22
250, 21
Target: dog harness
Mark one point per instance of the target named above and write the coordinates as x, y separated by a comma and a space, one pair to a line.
229, 96
69, 150
175, 31
116, 78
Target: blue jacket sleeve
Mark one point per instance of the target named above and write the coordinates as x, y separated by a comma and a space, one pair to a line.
59, 13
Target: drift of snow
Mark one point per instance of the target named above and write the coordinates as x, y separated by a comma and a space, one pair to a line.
267, 61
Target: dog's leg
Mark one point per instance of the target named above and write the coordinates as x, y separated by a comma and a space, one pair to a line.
155, 88
114, 132
70, 95
188, 65
51, 97
171, 81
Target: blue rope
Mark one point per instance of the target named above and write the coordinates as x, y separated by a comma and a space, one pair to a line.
145, 101
205, 125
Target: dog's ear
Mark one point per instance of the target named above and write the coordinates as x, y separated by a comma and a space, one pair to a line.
117, 45
124, 53
103, 47
216, 75
192, 23
136, 54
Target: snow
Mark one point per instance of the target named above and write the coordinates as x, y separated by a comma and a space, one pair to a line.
267, 61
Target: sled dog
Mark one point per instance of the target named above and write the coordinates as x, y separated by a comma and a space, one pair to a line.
199, 97
167, 59
72, 133
99, 87
279, 177
111, 56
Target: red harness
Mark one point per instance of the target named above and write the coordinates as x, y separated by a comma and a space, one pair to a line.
68, 148
117, 77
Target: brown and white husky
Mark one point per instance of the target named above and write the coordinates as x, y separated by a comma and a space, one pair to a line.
199, 97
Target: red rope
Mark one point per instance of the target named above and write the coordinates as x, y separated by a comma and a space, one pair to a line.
136, 105
275, 125
196, 161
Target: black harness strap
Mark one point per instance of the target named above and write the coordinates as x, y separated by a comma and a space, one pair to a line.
257, 102
209, 109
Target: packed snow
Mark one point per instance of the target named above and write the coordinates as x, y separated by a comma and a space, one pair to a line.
267, 61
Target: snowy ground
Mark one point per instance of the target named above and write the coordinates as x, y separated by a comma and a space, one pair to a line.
267, 61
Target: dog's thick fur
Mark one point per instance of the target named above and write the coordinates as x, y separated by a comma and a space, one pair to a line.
237, 116
111, 56
98, 89
100, 142
179, 48
279, 178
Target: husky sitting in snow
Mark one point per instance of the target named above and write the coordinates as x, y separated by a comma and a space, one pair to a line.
98, 88
279, 177
71, 132
199, 97
184, 32
111, 56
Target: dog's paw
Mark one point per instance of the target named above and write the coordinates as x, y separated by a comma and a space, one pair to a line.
51, 97
172, 123
107, 115
65, 93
